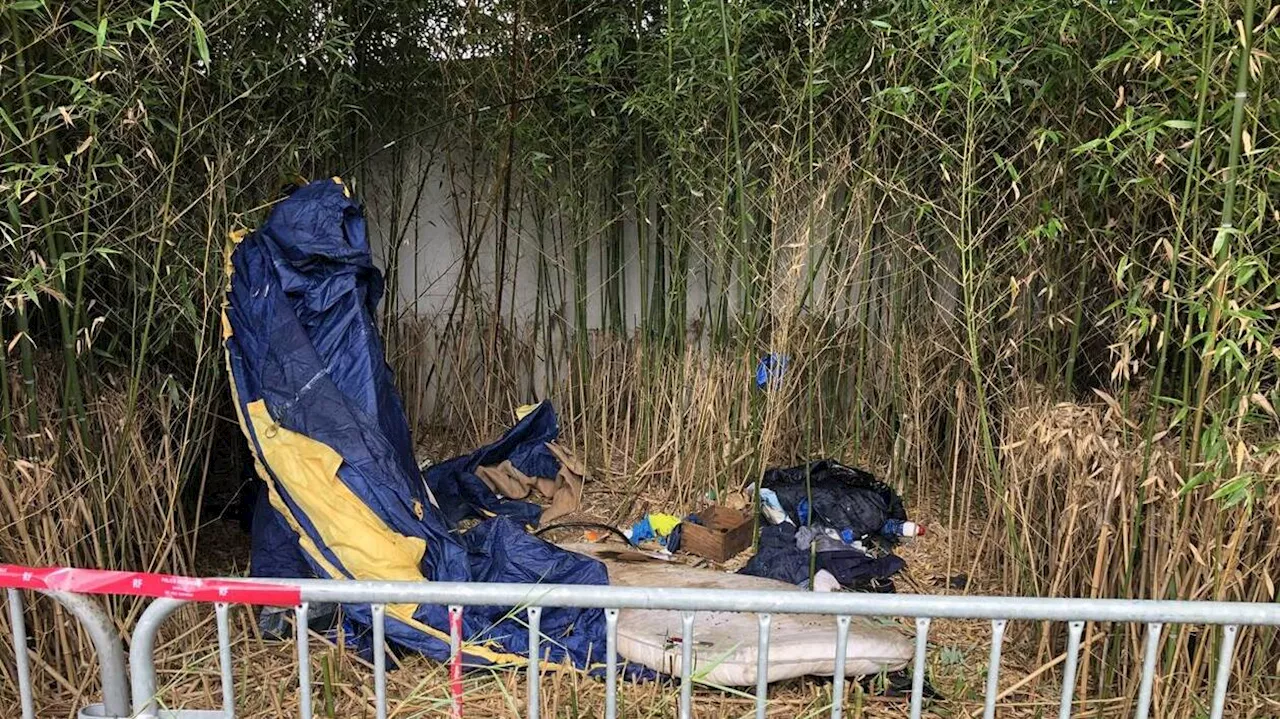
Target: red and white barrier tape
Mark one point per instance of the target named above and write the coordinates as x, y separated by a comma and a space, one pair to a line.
142, 584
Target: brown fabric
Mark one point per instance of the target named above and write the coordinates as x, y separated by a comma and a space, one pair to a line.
567, 460
564, 490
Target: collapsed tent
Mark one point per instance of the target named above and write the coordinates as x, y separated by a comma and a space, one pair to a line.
343, 496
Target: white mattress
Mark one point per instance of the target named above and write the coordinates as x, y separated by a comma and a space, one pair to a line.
726, 645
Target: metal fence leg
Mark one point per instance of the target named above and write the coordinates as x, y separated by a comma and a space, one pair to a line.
686, 666
611, 664
113, 669
917, 671
141, 655
837, 675
1074, 630
762, 667
303, 636
1225, 654
20, 658
379, 614
224, 661
1149, 657
455, 660
535, 620
993, 669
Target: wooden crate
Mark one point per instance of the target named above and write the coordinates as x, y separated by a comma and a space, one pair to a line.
722, 535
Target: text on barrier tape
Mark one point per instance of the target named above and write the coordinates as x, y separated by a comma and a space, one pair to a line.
142, 584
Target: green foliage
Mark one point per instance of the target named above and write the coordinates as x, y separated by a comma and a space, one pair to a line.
134, 136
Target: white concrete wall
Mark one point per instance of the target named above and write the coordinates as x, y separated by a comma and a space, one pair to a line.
456, 209
459, 205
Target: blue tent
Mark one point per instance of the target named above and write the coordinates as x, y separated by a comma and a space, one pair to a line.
344, 497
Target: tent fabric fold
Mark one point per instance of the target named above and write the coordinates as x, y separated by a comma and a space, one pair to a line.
495, 479
344, 497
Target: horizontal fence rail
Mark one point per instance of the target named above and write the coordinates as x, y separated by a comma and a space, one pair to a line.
748, 600
999, 611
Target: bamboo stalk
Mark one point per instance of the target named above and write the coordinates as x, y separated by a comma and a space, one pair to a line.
1226, 229
52, 246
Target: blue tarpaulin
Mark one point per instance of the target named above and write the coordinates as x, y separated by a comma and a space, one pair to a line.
344, 497
462, 495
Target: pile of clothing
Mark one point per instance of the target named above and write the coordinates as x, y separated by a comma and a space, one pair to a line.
845, 518
499, 479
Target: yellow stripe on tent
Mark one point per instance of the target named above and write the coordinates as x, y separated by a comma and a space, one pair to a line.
361, 541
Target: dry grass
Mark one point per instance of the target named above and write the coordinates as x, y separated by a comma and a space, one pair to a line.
121, 507
1081, 521
1064, 460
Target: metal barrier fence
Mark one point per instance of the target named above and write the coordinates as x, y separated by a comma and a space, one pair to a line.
106, 643
998, 610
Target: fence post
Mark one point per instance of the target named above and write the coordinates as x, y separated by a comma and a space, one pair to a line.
22, 663
141, 655
112, 667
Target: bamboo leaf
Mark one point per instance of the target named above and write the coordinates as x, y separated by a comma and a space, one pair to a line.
1261, 401
1220, 239
8, 122
202, 42
1087, 146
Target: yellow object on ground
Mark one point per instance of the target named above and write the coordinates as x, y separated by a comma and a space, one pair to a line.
663, 523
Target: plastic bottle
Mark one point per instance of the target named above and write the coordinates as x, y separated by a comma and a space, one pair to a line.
771, 507
901, 528
802, 511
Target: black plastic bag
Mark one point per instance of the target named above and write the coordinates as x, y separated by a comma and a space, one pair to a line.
842, 497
